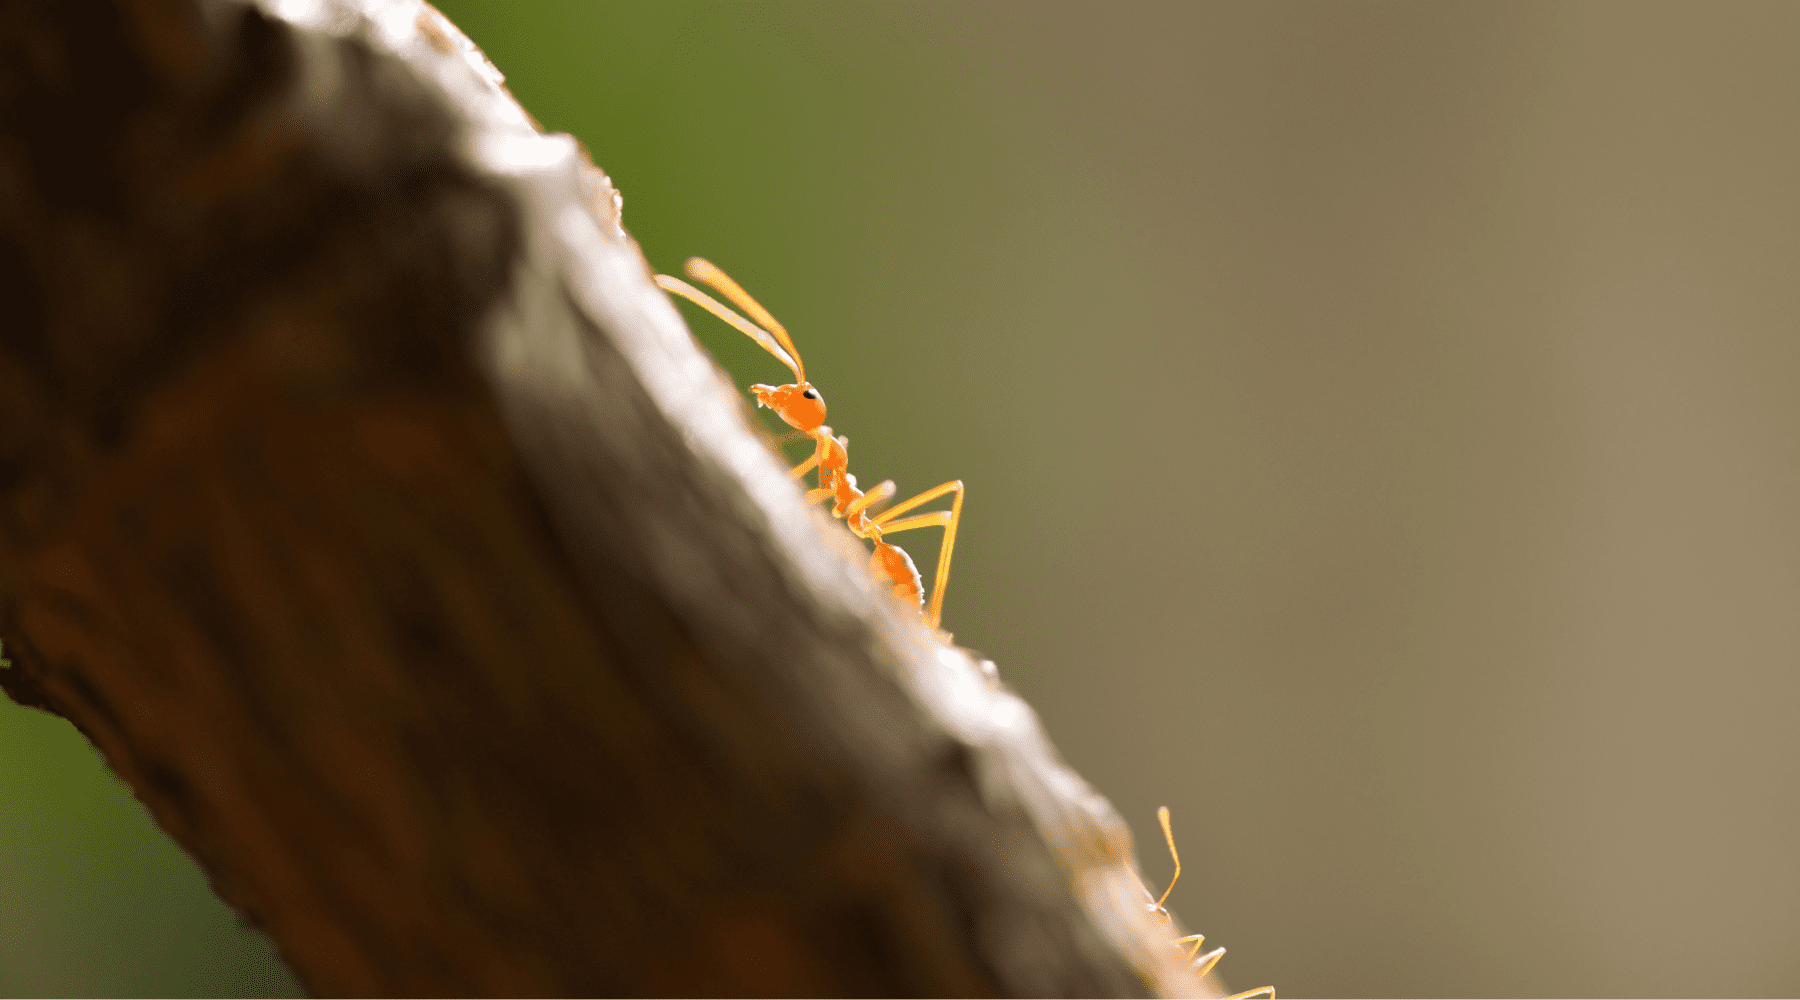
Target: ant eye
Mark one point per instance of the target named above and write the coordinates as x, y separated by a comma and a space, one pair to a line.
810, 394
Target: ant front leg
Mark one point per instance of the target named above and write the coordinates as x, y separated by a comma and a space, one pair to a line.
804, 467
829, 455
948, 519
800, 471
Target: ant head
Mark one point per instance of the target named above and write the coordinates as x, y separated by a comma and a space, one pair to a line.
800, 405
797, 403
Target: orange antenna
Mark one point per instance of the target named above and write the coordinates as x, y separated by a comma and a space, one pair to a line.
707, 273
744, 326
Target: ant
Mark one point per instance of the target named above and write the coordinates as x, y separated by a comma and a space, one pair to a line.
1204, 963
801, 407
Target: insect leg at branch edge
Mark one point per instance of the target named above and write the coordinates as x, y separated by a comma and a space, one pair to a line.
800, 405
1202, 964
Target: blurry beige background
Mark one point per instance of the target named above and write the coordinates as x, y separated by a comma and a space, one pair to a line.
1379, 423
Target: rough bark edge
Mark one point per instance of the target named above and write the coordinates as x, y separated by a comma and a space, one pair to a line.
583, 290
575, 234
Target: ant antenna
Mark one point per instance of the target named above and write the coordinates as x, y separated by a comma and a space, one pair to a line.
1162, 816
707, 273
744, 326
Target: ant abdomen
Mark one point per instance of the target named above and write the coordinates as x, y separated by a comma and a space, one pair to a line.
892, 563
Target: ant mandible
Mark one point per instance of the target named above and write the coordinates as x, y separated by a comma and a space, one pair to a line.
801, 407
1203, 963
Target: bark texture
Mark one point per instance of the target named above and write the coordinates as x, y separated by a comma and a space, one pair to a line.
372, 513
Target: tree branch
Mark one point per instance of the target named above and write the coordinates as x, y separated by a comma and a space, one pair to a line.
376, 517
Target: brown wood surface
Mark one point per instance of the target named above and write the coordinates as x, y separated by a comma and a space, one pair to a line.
424, 622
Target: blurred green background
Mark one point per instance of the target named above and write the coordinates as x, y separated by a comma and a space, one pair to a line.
1380, 429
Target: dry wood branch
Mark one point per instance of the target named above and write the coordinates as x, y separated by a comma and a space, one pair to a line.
373, 513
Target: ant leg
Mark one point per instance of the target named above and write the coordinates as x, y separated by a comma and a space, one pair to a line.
823, 490
823, 446
855, 513
876, 494
887, 523
1204, 964
1162, 816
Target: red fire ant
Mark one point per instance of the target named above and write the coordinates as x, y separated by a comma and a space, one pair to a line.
802, 408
